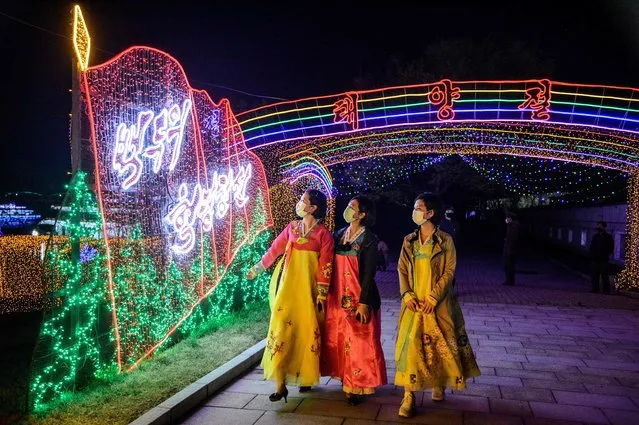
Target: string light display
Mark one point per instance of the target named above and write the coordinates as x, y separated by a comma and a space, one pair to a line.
182, 204
597, 107
552, 182
77, 340
21, 272
628, 277
15, 216
360, 176
81, 38
182, 208
68, 350
173, 176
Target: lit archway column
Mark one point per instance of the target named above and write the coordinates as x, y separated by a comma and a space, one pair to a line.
628, 278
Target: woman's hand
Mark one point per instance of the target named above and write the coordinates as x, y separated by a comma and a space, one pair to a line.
255, 271
363, 313
412, 304
428, 308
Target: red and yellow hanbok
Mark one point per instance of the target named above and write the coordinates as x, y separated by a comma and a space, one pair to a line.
304, 272
352, 351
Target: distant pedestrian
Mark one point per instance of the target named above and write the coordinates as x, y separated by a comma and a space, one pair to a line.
511, 243
382, 250
449, 224
601, 248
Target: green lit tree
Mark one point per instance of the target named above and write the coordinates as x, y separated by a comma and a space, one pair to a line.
69, 349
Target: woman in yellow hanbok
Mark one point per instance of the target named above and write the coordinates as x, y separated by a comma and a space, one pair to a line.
298, 291
432, 348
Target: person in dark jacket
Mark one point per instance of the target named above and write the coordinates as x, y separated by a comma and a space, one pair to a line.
511, 243
449, 224
351, 347
601, 247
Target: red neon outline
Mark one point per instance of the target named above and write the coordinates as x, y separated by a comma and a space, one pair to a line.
200, 160
345, 109
540, 109
443, 95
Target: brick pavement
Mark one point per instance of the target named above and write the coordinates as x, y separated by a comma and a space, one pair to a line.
550, 353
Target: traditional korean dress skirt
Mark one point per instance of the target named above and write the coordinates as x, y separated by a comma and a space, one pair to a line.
352, 351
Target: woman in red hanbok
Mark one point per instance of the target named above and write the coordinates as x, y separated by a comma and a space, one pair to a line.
351, 349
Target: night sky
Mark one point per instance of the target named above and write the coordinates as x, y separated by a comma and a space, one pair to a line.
286, 51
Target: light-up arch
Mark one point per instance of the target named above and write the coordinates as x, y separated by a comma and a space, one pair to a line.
586, 124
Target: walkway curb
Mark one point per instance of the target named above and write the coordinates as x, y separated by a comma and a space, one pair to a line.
171, 410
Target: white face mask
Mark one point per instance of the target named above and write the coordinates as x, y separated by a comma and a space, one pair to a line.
418, 217
300, 209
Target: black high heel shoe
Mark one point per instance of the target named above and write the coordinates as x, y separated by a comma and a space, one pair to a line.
353, 399
278, 396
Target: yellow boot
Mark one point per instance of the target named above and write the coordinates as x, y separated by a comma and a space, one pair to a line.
407, 409
438, 394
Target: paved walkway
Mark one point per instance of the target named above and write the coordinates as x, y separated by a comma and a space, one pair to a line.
549, 352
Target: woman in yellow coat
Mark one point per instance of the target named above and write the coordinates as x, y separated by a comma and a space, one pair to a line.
298, 291
432, 348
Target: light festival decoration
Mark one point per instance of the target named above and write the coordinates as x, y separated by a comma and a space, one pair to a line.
81, 38
375, 173
182, 209
206, 204
76, 341
168, 128
552, 182
69, 348
171, 165
21, 272
584, 124
16, 216
164, 259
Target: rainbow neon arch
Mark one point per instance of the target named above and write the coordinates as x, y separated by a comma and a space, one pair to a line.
587, 124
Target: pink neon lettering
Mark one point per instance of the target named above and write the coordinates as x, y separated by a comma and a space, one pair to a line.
205, 204
128, 147
345, 110
538, 99
168, 129
443, 95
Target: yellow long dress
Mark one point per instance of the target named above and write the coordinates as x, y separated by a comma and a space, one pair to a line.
424, 358
294, 338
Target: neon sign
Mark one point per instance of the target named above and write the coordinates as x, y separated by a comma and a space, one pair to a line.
538, 99
443, 95
345, 110
205, 204
168, 129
